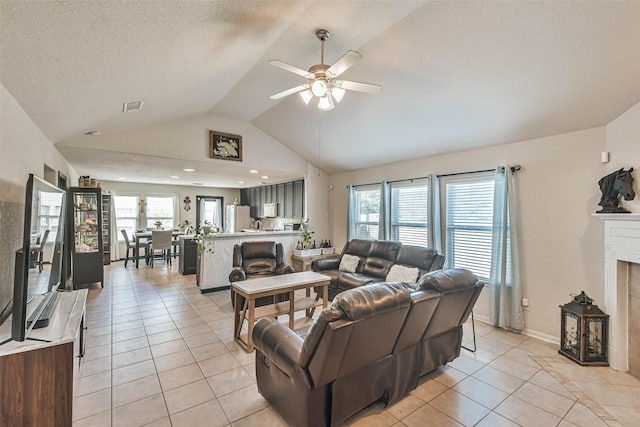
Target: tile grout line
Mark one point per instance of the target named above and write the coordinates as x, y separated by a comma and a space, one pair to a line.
581, 397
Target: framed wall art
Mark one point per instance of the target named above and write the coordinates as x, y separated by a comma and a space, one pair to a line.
225, 146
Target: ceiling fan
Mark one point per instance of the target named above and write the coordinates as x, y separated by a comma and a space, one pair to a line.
323, 78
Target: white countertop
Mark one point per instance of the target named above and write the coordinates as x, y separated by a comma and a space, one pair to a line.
247, 234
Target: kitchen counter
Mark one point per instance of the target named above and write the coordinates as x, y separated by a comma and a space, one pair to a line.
215, 267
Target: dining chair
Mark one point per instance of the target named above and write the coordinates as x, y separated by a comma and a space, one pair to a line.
131, 246
161, 240
37, 250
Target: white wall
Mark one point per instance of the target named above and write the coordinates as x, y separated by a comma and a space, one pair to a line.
23, 149
186, 139
560, 241
317, 202
623, 143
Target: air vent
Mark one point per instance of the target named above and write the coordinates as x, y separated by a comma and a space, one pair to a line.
132, 106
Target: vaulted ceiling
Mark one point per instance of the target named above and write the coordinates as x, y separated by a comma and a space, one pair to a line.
455, 75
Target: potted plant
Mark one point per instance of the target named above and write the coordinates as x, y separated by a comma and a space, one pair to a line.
187, 227
208, 230
305, 247
158, 224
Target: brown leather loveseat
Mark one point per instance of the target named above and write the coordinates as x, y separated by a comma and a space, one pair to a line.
372, 344
376, 259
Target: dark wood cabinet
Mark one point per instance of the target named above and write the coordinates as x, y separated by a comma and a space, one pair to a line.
188, 256
288, 200
298, 199
288, 195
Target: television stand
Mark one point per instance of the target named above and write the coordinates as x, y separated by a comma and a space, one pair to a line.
38, 373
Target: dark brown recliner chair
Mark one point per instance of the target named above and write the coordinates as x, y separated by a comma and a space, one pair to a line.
343, 365
440, 304
259, 259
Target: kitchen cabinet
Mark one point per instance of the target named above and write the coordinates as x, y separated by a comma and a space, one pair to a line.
298, 199
288, 195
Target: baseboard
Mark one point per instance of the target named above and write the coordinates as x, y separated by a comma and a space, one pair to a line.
528, 332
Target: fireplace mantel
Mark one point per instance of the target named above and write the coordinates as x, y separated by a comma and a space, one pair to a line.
621, 246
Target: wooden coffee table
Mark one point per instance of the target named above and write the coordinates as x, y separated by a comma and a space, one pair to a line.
275, 285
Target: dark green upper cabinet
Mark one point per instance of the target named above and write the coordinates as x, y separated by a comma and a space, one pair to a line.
288, 195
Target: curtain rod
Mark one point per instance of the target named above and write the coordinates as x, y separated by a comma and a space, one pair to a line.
513, 168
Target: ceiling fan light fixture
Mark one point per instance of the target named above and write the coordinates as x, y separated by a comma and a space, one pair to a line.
326, 103
306, 96
319, 88
338, 93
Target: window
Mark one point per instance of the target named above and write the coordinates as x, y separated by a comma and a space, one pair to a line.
366, 215
410, 212
209, 209
126, 211
160, 208
468, 221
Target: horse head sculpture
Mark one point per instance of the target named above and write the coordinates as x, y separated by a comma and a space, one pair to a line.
618, 183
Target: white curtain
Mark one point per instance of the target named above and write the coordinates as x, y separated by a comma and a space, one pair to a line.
384, 230
351, 213
115, 246
176, 210
505, 306
435, 220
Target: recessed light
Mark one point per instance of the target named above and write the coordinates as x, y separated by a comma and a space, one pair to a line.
253, 171
92, 133
264, 177
122, 179
240, 182
263, 183
174, 177
188, 170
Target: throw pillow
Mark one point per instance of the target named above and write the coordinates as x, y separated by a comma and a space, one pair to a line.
400, 273
349, 263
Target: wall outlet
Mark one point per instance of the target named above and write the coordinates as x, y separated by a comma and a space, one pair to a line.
525, 302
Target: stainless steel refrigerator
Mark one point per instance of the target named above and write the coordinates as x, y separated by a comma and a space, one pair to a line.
237, 218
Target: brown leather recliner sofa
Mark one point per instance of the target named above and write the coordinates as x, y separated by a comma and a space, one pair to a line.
259, 259
372, 344
377, 257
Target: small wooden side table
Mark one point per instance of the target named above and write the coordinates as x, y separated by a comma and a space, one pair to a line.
300, 263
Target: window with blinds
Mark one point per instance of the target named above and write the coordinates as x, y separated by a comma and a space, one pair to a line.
410, 212
468, 221
160, 208
126, 211
367, 212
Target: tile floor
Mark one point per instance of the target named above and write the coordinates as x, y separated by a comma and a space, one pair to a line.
161, 354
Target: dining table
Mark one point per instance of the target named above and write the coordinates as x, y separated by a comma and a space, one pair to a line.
147, 234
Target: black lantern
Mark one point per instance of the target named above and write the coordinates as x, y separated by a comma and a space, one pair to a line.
583, 332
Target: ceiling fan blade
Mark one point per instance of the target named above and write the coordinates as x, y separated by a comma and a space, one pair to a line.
290, 68
344, 63
290, 91
361, 87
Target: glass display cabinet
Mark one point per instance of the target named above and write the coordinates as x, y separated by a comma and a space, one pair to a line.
86, 209
106, 229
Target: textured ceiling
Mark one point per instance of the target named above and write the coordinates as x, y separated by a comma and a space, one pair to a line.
455, 75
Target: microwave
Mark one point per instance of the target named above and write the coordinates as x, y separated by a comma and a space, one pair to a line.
270, 210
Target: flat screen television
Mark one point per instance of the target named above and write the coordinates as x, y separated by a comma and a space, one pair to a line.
36, 280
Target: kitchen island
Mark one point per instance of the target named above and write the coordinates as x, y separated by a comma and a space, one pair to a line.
215, 267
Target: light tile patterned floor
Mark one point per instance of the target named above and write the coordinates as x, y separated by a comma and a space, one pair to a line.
161, 354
